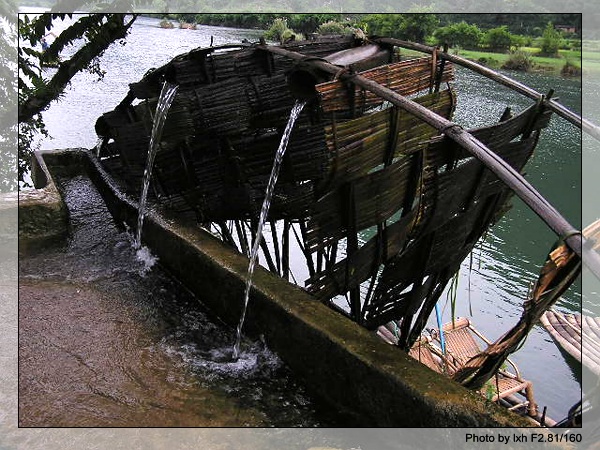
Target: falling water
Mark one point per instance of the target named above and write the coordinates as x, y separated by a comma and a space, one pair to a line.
263, 217
167, 94
98, 147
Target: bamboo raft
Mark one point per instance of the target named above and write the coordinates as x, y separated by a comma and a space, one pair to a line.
380, 192
462, 342
577, 334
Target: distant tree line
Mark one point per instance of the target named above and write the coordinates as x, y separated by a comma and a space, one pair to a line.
418, 24
493, 32
301, 23
523, 24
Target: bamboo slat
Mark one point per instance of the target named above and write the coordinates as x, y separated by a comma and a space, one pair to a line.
592, 232
404, 77
565, 331
360, 145
377, 196
590, 327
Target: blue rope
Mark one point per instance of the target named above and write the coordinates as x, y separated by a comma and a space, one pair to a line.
438, 315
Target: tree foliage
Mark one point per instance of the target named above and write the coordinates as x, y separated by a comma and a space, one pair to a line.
526, 24
459, 34
414, 27
334, 27
8, 98
92, 33
280, 31
551, 40
498, 39
302, 23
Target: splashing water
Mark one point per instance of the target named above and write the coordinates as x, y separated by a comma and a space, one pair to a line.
167, 94
147, 259
296, 110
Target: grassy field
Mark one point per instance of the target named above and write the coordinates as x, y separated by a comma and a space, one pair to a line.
591, 60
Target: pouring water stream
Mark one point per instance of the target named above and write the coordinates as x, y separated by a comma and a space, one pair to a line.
164, 102
167, 94
296, 110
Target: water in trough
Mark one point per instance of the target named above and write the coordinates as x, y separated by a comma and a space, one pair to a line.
109, 339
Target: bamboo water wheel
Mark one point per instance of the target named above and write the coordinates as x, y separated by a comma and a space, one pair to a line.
382, 204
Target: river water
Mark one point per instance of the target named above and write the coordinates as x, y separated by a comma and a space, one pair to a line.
492, 288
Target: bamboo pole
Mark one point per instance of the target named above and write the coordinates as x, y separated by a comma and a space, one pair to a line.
286, 249
587, 126
509, 176
276, 246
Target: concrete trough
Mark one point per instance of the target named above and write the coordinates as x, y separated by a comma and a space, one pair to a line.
344, 364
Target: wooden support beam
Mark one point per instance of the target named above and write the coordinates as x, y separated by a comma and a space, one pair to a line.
509, 176
276, 246
285, 263
351, 249
499, 167
307, 255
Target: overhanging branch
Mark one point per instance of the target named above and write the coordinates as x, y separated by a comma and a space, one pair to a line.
112, 30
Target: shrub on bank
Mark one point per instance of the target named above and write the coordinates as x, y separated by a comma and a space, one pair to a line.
570, 69
498, 39
333, 27
551, 41
489, 62
459, 35
279, 31
519, 60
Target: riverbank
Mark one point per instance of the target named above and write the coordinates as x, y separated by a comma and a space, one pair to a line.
543, 64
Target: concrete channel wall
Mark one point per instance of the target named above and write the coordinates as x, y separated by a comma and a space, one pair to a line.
43, 215
343, 363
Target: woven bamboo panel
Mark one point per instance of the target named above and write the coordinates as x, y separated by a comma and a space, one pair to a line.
360, 145
457, 200
404, 77
430, 254
497, 135
377, 196
363, 263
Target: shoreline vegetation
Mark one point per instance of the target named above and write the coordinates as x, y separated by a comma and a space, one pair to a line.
552, 49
